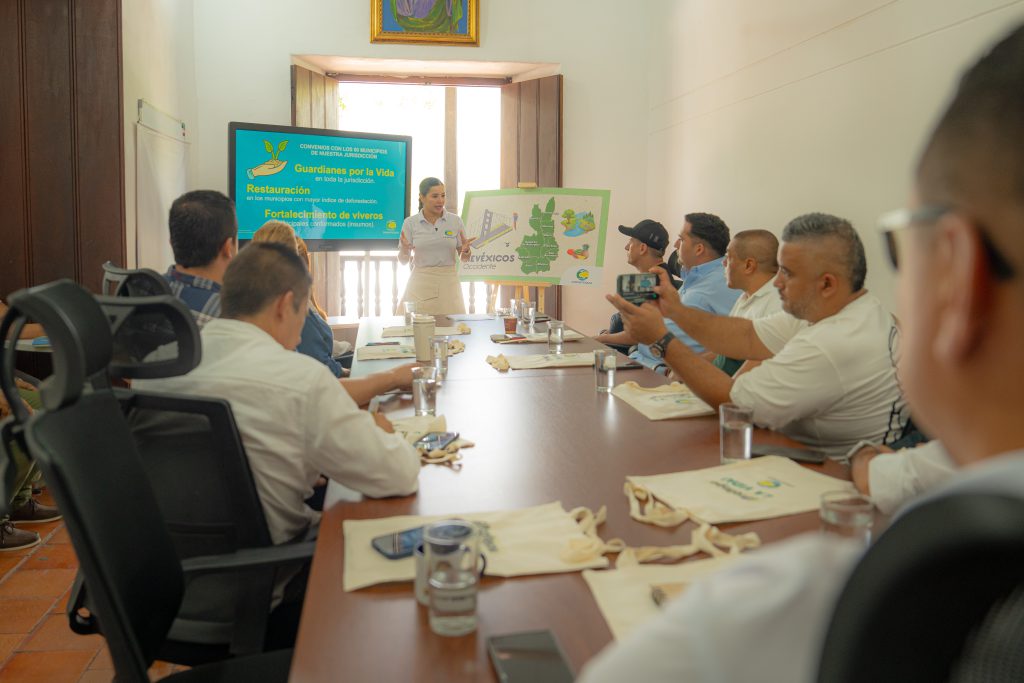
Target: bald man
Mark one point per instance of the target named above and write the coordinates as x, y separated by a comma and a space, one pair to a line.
750, 265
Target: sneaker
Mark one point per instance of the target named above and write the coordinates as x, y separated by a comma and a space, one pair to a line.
13, 538
34, 512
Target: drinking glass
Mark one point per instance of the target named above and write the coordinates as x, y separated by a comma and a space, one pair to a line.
848, 514
439, 351
452, 549
524, 310
736, 426
556, 335
410, 311
604, 370
530, 318
424, 396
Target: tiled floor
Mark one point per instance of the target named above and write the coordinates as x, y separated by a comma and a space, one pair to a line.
35, 642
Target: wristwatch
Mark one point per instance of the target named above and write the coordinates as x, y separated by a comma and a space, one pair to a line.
658, 347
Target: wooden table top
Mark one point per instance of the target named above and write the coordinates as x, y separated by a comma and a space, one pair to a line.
471, 363
540, 436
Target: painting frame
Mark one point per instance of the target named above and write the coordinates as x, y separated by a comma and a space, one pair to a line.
385, 23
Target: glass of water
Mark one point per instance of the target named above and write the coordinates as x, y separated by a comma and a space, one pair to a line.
736, 426
424, 394
848, 514
530, 318
604, 370
439, 352
556, 336
452, 549
410, 311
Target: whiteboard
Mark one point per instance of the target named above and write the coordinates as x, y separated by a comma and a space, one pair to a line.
161, 176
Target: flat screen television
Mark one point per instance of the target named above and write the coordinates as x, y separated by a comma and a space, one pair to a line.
339, 190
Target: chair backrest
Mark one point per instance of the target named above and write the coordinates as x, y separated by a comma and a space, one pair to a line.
123, 548
191, 451
918, 594
154, 336
119, 281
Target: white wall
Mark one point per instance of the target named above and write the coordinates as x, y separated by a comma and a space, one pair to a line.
762, 111
159, 67
243, 53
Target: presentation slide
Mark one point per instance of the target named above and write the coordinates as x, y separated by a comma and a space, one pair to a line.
338, 190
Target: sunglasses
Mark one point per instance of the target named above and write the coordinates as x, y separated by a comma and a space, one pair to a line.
893, 226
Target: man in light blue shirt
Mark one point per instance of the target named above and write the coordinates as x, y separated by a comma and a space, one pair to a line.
701, 246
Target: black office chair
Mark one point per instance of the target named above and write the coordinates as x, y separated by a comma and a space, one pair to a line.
191, 450
137, 282
929, 583
86, 451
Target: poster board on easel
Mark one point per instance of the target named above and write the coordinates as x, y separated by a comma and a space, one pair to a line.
539, 236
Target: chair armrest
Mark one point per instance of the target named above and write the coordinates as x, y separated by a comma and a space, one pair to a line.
248, 558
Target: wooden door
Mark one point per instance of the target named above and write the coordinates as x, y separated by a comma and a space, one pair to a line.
61, 138
531, 148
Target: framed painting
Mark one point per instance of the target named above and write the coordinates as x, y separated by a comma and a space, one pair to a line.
437, 22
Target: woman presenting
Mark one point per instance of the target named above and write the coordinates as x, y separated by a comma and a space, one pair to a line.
432, 239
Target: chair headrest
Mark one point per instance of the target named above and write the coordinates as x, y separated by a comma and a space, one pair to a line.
153, 336
119, 281
79, 336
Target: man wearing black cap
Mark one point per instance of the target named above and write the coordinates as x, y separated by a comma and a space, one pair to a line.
645, 249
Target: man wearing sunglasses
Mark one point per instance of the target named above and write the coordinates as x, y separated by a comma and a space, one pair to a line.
960, 364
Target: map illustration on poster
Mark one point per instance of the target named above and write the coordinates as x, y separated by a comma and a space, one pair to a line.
552, 235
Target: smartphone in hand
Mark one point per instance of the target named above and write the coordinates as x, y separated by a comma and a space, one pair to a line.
637, 287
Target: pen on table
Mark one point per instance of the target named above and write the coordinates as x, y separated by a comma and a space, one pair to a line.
382, 344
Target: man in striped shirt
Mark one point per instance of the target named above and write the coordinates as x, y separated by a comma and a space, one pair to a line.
204, 238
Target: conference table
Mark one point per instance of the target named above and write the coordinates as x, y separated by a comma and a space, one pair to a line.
540, 435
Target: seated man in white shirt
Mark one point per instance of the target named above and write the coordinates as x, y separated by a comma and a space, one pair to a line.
751, 263
827, 377
894, 477
765, 618
296, 421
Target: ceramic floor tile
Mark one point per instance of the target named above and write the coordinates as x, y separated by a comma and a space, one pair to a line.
53, 556
60, 536
62, 603
7, 644
20, 615
51, 667
97, 676
102, 660
35, 583
8, 562
54, 634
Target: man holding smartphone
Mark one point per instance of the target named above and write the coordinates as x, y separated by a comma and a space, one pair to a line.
645, 249
766, 617
701, 247
827, 377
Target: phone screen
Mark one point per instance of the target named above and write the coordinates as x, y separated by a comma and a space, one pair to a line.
399, 544
637, 287
530, 657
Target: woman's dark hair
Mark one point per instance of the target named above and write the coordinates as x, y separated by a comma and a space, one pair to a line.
425, 186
